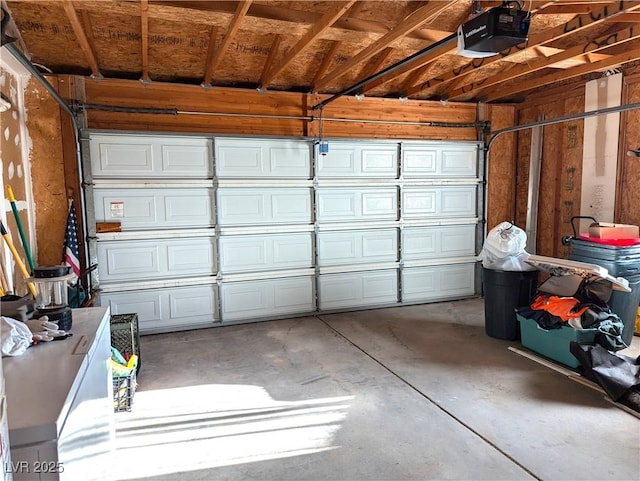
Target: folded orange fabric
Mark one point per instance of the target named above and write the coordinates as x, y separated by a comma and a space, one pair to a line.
563, 307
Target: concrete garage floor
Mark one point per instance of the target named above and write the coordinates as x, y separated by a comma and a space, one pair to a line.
406, 393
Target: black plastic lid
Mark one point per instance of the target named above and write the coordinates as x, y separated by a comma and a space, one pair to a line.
44, 272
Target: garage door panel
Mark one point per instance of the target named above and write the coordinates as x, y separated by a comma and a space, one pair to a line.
247, 158
419, 163
438, 282
357, 159
251, 206
357, 289
357, 247
433, 242
149, 157
439, 201
266, 298
185, 160
155, 208
154, 259
439, 160
461, 201
265, 252
460, 163
166, 308
357, 204
119, 158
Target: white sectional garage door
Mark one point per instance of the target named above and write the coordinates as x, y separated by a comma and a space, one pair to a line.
228, 230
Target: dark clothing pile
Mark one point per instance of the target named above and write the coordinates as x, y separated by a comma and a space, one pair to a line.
584, 310
617, 374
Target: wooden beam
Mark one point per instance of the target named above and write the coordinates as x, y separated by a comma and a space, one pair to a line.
416, 19
575, 25
336, 10
211, 49
632, 54
631, 17
592, 46
82, 38
144, 37
324, 65
271, 12
273, 52
377, 64
217, 56
414, 77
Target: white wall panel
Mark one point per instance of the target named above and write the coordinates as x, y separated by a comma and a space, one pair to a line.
247, 206
357, 247
165, 308
361, 159
246, 158
439, 160
155, 208
357, 289
121, 156
156, 259
250, 253
438, 282
266, 298
439, 201
438, 241
354, 204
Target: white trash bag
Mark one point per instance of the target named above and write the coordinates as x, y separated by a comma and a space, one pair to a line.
504, 249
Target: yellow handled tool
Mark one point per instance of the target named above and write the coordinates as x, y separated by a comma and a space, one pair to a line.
23, 237
21, 266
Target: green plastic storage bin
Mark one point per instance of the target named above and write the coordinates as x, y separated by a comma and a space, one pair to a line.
554, 343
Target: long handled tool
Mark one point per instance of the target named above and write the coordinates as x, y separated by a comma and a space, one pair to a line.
16, 257
23, 238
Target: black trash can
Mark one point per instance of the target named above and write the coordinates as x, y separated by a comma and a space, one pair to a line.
504, 292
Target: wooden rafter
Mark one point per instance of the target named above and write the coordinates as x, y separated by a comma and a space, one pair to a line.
632, 54
438, 52
416, 19
372, 68
606, 41
273, 51
217, 56
144, 32
576, 24
414, 77
89, 55
335, 11
326, 62
270, 12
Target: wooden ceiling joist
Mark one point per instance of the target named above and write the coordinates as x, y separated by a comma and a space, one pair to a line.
576, 24
502, 92
326, 62
218, 54
273, 52
606, 41
81, 36
335, 11
144, 32
377, 64
416, 19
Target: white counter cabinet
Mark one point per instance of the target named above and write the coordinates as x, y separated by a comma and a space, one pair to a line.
60, 404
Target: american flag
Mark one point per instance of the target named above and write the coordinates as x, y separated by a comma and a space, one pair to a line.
71, 253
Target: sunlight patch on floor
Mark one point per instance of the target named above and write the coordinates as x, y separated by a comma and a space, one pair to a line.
202, 427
